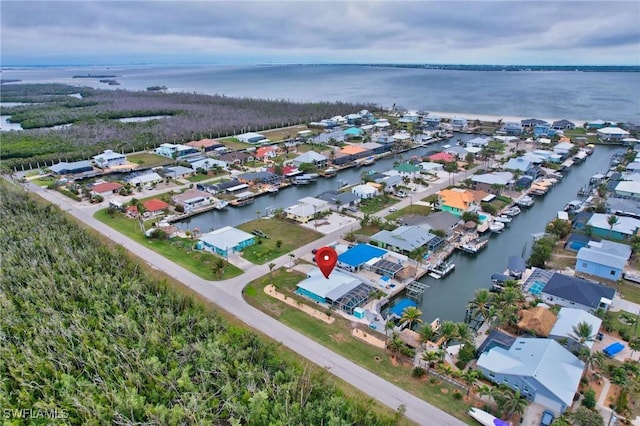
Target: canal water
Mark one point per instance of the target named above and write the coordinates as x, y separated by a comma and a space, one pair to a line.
447, 298
233, 216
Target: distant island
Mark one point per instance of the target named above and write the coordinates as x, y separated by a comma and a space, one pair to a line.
156, 88
9, 80
95, 76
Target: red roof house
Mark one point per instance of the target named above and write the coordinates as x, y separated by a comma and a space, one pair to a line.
155, 207
442, 157
106, 188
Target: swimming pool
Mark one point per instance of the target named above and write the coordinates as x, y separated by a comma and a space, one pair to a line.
536, 288
483, 217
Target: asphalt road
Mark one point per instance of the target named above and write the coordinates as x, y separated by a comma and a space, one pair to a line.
228, 296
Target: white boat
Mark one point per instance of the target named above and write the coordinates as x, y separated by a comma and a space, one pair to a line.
525, 201
441, 269
502, 218
486, 419
447, 146
513, 211
496, 227
220, 204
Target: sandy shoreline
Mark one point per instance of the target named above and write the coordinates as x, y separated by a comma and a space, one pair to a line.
505, 118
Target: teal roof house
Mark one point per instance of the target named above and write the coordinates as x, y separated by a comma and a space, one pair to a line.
225, 241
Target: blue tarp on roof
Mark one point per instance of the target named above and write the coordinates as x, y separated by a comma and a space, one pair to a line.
400, 306
613, 349
360, 254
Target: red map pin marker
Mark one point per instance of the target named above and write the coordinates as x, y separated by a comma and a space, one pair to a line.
326, 259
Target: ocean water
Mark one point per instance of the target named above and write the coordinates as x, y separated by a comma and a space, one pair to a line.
572, 95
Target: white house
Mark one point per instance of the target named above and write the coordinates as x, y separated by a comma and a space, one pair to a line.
610, 134
563, 330
364, 191
109, 159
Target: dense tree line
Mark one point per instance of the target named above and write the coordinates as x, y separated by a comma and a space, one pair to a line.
94, 124
85, 330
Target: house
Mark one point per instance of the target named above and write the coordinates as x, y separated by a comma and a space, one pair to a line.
603, 259
429, 167
532, 122
154, 207
205, 145
105, 189
226, 240
442, 157
563, 148
576, 241
311, 157
443, 221
478, 142
143, 179
563, 125
612, 134
633, 167
339, 200
266, 152
343, 291
511, 129
597, 124
306, 209
432, 121
624, 228
541, 130
459, 124
206, 163
178, 172
628, 189
327, 137
456, 200
251, 137
236, 157
540, 369
563, 329
352, 132
408, 170
76, 167
623, 207
525, 165
376, 148
109, 159
581, 220
405, 239
364, 191
193, 199
176, 151
492, 183
389, 181
259, 178
579, 293
354, 258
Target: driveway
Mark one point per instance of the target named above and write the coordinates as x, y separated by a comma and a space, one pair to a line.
533, 415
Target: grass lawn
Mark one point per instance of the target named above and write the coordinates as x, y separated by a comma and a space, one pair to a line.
413, 209
44, 180
200, 177
234, 144
177, 250
281, 134
289, 234
630, 291
148, 159
313, 147
375, 204
337, 337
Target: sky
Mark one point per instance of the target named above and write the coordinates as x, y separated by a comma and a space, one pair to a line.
242, 32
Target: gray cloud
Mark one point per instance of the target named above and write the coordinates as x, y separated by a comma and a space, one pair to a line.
336, 31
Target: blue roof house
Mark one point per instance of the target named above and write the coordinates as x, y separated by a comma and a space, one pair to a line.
563, 329
525, 165
604, 259
541, 129
352, 132
358, 255
64, 168
541, 369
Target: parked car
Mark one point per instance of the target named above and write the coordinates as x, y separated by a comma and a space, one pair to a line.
401, 194
547, 418
392, 209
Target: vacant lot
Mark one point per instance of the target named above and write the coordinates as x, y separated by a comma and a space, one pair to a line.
147, 159
284, 236
278, 135
411, 210
234, 144
375, 204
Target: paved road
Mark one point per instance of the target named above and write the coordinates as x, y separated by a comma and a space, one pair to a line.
228, 295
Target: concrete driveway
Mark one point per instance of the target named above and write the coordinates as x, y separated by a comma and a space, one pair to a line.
533, 415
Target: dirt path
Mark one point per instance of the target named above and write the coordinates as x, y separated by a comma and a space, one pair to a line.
271, 291
368, 338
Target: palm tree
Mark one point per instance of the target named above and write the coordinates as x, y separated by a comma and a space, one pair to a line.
448, 331
426, 333
431, 357
583, 332
271, 266
411, 315
470, 377
389, 325
395, 345
592, 360
480, 303
612, 220
488, 391
512, 402
464, 335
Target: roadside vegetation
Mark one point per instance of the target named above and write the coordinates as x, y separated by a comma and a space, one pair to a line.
95, 126
87, 330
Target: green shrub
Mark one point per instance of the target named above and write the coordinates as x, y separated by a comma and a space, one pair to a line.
418, 372
589, 400
457, 396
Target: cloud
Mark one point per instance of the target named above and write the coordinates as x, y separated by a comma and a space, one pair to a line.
331, 31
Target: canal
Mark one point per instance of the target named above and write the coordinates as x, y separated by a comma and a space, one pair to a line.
233, 216
447, 298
